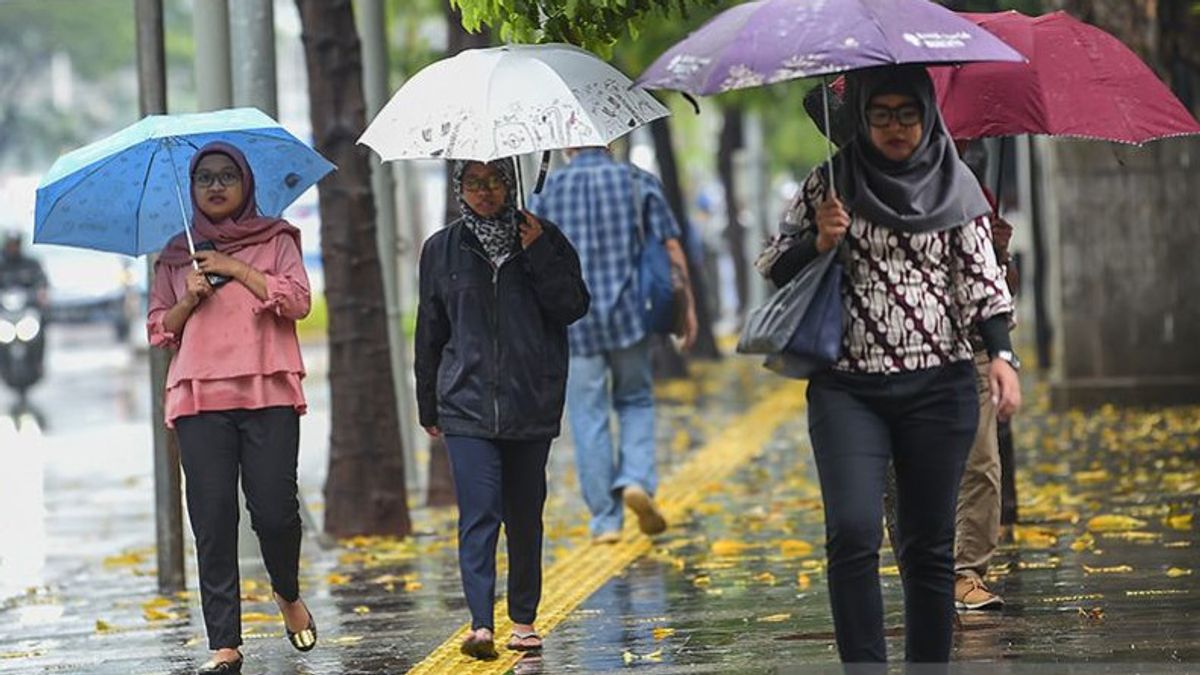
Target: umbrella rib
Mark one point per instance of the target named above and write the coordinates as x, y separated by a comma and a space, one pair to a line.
137, 214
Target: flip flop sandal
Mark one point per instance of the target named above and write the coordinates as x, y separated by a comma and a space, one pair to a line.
514, 642
484, 650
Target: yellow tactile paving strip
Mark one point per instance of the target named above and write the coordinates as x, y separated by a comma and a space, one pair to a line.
571, 580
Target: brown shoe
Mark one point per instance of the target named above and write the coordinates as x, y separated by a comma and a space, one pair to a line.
970, 593
650, 519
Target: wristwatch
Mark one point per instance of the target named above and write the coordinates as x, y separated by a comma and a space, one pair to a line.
1010, 357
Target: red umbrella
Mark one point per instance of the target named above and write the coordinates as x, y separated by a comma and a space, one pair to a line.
1079, 81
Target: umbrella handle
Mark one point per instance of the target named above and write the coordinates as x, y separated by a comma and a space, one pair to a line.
542, 171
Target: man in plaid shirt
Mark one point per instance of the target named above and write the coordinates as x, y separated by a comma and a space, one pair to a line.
593, 201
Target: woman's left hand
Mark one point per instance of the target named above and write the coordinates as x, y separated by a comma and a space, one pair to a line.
215, 262
530, 228
1004, 388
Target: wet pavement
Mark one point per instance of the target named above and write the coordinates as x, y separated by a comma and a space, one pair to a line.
1102, 569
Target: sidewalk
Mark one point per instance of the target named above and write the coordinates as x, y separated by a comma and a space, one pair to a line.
1102, 569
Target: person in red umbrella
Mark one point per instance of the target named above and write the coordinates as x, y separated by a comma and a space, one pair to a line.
920, 276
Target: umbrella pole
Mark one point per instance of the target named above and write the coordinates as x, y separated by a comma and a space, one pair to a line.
520, 183
828, 134
1000, 176
187, 229
542, 171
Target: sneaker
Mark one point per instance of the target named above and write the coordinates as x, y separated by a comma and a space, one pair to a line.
650, 519
604, 538
971, 594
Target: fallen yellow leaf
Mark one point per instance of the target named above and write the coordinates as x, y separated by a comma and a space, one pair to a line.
259, 617
335, 579
103, 626
1175, 572
728, 547
1083, 543
1181, 522
1114, 569
795, 548
774, 618
766, 578
890, 571
662, 632
362, 609
803, 581
702, 581
1114, 523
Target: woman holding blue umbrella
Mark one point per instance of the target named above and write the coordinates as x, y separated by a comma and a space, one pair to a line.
921, 275
233, 391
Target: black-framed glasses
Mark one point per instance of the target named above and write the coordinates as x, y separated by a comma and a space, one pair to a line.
227, 178
880, 116
490, 184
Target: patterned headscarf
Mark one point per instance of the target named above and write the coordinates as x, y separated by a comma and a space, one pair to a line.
498, 234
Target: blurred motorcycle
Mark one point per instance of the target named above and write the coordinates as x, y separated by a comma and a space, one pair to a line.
22, 339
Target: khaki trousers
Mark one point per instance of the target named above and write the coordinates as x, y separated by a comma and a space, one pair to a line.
977, 526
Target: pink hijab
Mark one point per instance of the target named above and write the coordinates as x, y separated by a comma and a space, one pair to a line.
246, 228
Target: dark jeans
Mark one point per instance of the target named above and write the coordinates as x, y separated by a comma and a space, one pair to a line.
923, 422
499, 481
262, 445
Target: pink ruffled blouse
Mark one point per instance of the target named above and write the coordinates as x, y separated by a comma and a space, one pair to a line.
235, 351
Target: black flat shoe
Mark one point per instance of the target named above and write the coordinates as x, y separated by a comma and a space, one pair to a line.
303, 640
221, 667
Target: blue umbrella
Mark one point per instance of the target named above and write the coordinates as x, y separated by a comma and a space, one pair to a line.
128, 193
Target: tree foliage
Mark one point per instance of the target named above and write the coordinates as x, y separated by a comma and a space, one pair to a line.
595, 25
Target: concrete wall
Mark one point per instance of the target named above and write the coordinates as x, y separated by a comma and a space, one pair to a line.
1124, 250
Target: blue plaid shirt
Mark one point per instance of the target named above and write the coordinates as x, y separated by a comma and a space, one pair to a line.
592, 201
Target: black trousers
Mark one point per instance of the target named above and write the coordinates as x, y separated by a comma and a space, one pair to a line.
261, 445
923, 423
500, 481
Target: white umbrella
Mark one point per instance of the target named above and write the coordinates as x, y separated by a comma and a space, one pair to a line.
484, 104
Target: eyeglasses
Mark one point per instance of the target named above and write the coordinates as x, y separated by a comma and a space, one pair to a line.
880, 116
227, 178
485, 185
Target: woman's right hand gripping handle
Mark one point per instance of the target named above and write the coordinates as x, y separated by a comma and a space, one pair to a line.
832, 223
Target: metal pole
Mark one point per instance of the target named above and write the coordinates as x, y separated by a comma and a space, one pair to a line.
252, 38
371, 17
168, 506
210, 28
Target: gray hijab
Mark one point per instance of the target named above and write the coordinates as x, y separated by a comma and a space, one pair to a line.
930, 191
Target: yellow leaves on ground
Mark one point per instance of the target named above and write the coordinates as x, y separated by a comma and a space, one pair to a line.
1114, 523
1180, 522
131, 558
1176, 572
104, 626
362, 609
803, 581
1113, 569
774, 618
1035, 538
347, 640
4, 656
261, 617
662, 632
1092, 477
729, 547
765, 578
336, 579
1083, 543
795, 548
154, 609
889, 571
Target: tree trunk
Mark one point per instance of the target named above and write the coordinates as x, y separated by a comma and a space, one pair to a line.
735, 232
364, 491
664, 150
441, 481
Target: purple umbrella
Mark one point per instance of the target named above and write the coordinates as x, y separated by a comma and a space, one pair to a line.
768, 41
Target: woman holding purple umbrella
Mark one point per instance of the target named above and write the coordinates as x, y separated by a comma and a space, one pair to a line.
920, 276
233, 390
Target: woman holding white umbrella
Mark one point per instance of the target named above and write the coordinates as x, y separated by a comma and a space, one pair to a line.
498, 289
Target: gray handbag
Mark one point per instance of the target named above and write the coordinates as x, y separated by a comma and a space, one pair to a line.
770, 327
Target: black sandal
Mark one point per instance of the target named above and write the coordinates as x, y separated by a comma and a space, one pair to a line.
303, 640
213, 667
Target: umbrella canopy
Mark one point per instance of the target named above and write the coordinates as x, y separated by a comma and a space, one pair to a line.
483, 104
128, 193
769, 41
1079, 81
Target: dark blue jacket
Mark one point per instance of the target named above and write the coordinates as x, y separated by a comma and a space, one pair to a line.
491, 344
